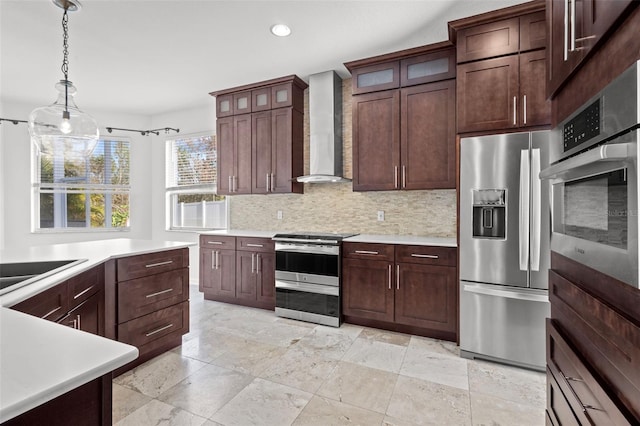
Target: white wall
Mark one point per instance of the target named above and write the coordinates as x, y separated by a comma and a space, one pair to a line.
192, 121
15, 181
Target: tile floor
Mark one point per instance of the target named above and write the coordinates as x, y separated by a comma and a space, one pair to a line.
244, 366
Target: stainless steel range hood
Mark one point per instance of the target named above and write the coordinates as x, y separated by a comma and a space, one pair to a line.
325, 126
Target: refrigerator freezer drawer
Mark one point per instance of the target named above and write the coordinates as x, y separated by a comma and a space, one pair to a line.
504, 324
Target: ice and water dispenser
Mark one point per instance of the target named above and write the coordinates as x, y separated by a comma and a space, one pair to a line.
489, 213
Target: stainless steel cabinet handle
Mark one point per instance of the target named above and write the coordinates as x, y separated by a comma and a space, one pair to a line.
524, 109
257, 263
82, 292
573, 379
404, 176
217, 259
153, 265
219, 243
254, 245
158, 293
230, 183
566, 30
366, 252
73, 324
397, 277
273, 185
395, 176
213, 260
389, 276
51, 312
573, 25
151, 333
268, 183
514, 111
428, 256
253, 262
78, 323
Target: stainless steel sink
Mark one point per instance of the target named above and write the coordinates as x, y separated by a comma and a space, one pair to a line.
16, 275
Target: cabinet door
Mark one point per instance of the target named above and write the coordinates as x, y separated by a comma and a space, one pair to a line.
261, 99
241, 103
226, 156
287, 157
426, 296
487, 92
261, 147
84, 285
533, 31
89, 315
563, 60
282, 95
428, 133
488, 40
428, 68
376, 141
374, 78
558, 407
246, 275
536, 109
367, 289
265, 279
224, 105
219, 273
242, 150
598, 17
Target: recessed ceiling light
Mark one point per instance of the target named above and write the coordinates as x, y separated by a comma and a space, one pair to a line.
280, 30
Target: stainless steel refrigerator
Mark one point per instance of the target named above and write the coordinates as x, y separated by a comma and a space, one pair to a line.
504, 248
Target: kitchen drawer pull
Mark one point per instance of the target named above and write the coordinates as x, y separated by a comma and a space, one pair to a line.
395, 176
151, 333
82, 292
254, 245
257, 263
524, 108
153, 265
51, 312
426, 256
573, 379
253, 262
514, 111
404, 176
159, 293
78, 325
366, 252
397, 277
272, 188
215, 242
389, 276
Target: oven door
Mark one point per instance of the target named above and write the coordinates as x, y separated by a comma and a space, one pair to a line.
594, 203
308, 263
308, 302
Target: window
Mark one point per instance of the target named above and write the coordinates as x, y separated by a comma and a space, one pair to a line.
191, 184
74, 192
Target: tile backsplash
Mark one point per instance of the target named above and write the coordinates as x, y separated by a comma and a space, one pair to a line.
335, 207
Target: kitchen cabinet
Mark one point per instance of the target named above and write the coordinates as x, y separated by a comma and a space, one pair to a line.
575, 29
502, 93
394, 146
77, 302
260, 137
238, 270
593, 347
149, 294
404, 288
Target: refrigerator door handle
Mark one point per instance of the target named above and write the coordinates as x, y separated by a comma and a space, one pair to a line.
523, 228
535, 209
509, 293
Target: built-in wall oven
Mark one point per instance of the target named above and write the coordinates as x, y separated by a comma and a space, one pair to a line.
308, 277
594, 181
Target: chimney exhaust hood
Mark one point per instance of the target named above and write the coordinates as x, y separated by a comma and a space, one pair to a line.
325, 128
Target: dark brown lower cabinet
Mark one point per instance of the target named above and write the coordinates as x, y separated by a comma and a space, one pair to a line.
87, 405
593, 347
404, 288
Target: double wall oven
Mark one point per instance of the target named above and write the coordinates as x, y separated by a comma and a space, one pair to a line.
594, 181
308, 277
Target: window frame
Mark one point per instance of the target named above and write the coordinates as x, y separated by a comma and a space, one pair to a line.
103, 189
173, 191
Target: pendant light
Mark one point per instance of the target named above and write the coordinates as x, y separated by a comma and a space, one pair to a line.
61, 125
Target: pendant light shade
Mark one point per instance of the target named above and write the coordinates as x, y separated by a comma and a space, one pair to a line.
63, 124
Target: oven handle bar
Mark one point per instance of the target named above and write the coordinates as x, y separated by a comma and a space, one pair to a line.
308, 249
303, 241
587, 160
308, 288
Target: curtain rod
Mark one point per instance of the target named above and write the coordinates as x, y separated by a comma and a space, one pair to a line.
111, 129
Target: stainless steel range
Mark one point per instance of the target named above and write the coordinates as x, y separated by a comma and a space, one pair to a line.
308, 277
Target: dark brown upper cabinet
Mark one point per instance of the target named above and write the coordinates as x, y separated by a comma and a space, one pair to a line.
428, 68
489, 40
260, 143
375, 78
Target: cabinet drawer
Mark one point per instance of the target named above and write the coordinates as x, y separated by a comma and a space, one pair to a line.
558, 409
427, 255
218, 242
85, 285
144, 295
256, 244
368, 251
148, 328
489, 40
589, 400
144, 265
51, 304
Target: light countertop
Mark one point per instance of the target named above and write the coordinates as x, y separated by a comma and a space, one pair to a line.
41, 360
402, 239
242, 233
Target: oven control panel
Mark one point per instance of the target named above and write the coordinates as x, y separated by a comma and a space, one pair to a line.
582, 127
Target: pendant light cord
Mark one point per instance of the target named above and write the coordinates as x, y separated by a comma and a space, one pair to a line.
65, 60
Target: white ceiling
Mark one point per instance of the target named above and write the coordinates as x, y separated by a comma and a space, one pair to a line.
154, 56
